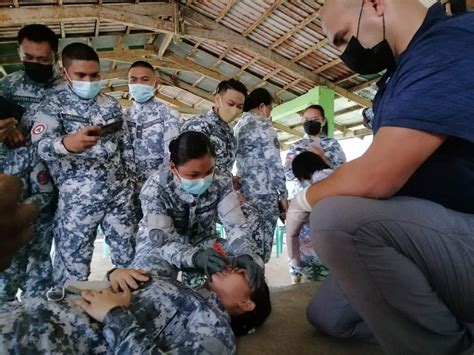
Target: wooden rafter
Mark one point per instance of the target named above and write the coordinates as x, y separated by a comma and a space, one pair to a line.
365, 84
97, 28
287, 129
287, 86
164, 45
62, 29
352, 76
221, 34
311, 49
221, 57
262, 17
196, 83
347, 110
327, 66
139, 17
296, 29
246, 65
225, 10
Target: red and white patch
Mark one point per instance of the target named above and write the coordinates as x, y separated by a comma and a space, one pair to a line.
40, 128
42, 177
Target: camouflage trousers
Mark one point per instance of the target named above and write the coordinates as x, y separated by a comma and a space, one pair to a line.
265, 208
81, 209
37, 326
31, 268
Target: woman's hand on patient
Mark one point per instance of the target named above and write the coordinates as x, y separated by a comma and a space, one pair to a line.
98, 303
121, 279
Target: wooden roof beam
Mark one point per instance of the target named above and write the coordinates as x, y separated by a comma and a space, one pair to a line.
246, 65
287, 86
287, 129
296, 29
262, 17
165, 44
311, 49
364, 85
225, 10
329, 65
221, 34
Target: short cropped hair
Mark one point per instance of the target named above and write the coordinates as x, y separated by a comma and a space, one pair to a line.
78, 51
39, 33
231, 84
142, 64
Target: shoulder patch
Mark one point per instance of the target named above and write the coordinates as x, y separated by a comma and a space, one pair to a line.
42, 177
38, 129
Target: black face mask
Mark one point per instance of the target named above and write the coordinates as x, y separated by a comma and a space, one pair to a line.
368, 60
41, 73
312, 128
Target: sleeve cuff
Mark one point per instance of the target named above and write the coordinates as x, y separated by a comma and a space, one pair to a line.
60, 148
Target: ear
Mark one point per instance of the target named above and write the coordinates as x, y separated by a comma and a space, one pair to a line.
217, 99
377, 5
248, 305
63, 73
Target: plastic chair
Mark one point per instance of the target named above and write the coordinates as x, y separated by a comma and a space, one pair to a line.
279, 235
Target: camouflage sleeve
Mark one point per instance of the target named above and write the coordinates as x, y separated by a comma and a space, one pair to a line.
42, 190
290, 155
336, 155
48, 133
271, 152
124, 335
172, 130
195, 124
126, 148
239, 239
157, 237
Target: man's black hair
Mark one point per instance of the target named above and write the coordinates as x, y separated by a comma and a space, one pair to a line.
39, 33
78, 51
244, 323
233, 84
142, 64
306, 163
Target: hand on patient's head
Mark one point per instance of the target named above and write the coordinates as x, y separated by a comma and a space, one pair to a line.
98, 303
254, 271
209, 261
15, 219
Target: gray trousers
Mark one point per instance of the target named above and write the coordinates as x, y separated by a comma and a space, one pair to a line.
402, 272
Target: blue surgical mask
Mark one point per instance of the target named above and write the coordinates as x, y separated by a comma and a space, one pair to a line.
86, 89
196, 186
141, 93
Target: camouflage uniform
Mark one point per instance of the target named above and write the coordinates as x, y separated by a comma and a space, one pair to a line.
177, 224
259, 166
311, 266
93, 187
164, 317
31, 269
152, 125
221, 135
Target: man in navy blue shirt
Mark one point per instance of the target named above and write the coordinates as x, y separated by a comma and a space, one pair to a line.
396, 226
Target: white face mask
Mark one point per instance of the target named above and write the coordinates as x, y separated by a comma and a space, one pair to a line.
84, 89
141, 93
